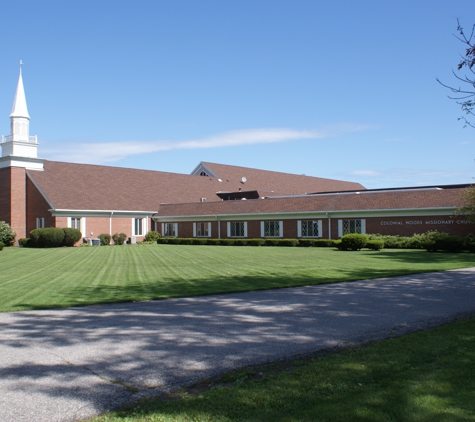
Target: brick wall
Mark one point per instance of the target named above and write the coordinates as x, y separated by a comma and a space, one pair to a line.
36, 207
13, 199
403, 226
5, 195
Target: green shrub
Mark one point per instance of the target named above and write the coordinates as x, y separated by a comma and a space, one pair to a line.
453, 244
337, 244
152, 236
210, 241
306, 243
323, 243
163, 240
288, 242
353, 242
470, 246
71, 236
240, 242
255, 242
226, 242
105, 239
271, 242
49, 237
119, 238
375, 245
199, 241
23, 242
1, 245
430, 246
7, 235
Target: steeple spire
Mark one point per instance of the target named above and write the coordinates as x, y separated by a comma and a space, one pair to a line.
19, 104
19, 149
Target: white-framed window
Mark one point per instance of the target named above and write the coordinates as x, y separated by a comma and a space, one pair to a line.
272, 228
309, 228
351, 226
75, 223
78, 223
40, 223
202, 229
169, 229
237, 228
138, 226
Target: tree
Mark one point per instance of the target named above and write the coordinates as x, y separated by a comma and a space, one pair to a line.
7, 235
465, 97
468, 207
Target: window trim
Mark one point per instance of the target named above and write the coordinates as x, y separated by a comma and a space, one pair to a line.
281, 228
40, 222
319, 229
235, 222
175, 229
195, 228
340, 225
143, 226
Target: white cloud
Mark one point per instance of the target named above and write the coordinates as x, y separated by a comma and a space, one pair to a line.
104, 152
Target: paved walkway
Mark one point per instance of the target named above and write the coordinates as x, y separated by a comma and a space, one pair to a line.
68, 364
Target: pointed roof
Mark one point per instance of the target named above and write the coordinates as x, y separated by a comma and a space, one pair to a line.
19, 104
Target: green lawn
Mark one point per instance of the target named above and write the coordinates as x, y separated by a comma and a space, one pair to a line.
49, 278
423, 377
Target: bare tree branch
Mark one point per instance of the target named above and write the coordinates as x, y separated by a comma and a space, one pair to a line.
467, 98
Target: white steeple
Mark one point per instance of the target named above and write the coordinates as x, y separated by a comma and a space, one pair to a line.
19, 104
19, 149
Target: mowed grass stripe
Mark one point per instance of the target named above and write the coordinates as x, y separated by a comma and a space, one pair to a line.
62, 277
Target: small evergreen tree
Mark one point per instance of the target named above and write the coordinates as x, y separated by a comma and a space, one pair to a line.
7, 235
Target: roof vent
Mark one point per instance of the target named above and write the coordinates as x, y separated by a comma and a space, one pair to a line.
243, 180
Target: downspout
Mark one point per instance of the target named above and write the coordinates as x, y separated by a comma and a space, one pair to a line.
110, 223
329, 226
219, 226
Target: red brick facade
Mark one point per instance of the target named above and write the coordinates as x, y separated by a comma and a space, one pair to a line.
13, 199
402, 226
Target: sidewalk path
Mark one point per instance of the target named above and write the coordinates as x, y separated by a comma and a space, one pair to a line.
68, 364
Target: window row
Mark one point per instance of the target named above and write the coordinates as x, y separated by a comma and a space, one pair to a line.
305, 228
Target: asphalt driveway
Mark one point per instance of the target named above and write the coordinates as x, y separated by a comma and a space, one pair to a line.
69, 364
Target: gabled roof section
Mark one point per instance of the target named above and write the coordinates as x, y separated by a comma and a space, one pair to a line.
274, 183
92, 187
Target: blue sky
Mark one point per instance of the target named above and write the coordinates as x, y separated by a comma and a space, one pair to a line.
337, 89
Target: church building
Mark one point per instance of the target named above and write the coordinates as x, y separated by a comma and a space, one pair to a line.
214, 200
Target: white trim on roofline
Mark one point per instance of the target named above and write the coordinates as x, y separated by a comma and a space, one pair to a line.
101, 213
403, 212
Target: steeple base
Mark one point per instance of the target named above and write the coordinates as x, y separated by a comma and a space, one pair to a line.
22, 162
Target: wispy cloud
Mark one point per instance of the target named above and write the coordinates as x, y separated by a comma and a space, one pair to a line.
105, 152
369, 173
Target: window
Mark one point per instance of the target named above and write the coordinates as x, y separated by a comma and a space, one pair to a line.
203, 173
75, 223
202, 229
237, 229
351, 226
40, 223
169, 229
271, 228
309, 228
138, 226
